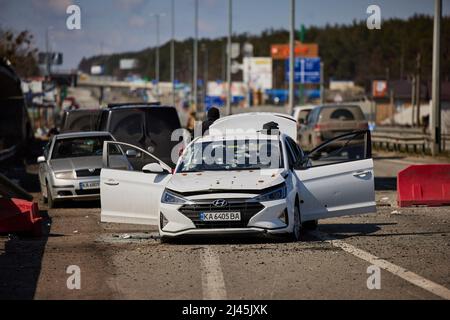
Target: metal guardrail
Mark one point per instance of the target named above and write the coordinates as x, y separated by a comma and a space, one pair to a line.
406, 140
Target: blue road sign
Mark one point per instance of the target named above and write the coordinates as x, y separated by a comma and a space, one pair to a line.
307, 70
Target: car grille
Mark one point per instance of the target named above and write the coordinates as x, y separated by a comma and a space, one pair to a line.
87, 173
87, 192
247, 210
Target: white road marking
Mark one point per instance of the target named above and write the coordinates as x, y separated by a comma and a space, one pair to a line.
409, 276
213, 284
406, 162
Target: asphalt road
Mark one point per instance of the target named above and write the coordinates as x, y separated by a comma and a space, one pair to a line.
411, 246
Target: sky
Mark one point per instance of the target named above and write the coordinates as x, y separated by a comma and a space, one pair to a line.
128, 25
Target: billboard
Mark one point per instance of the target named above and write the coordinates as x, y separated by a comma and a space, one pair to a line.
128, 64
307, 70
305, 50
258, 73
379, 88
96, 70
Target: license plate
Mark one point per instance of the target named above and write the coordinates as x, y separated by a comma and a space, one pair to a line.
220, 216
89, 185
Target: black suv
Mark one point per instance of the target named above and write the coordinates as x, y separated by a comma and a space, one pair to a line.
79, 120
148, 126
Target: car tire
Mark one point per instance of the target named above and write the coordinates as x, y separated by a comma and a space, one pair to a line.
295, 235
50, 201
310, 225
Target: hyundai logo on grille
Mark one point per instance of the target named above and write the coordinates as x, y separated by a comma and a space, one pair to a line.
220, 203
91, 170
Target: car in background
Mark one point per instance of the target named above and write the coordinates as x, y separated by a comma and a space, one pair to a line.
301, 113
70, 167
326, 122
273, 190
16, 133
79, 120
145, 125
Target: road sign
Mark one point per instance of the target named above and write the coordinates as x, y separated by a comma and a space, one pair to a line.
307, 70
304, 50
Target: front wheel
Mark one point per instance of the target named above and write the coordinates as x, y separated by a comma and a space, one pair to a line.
296, 232
310, 225
50, 201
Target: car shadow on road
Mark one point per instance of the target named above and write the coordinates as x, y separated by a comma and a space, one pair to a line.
385, 183
227, 240
348, 230
21, 263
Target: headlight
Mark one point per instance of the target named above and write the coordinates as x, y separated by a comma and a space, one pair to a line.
171, 198
277, 194
65, 175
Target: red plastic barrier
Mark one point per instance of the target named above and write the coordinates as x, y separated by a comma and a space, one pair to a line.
427, 185
20, 216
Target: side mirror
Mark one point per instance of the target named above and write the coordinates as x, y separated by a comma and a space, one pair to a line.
153, 168
41, 159
131, 153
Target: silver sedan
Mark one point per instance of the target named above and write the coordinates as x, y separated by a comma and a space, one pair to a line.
70, 167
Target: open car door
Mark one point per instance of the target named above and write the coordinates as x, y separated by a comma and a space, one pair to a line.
338, 179
130, 193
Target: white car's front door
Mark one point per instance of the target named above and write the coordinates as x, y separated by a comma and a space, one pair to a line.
339, 179
129, 195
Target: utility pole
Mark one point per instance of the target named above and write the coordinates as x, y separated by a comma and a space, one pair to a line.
157, 17
195, 79
418, 82
172, 53
230, 31
291, 60
322, 83
436, 90
413, 98
205, 74
48, 62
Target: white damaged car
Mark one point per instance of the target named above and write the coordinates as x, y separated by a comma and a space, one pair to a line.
252, 182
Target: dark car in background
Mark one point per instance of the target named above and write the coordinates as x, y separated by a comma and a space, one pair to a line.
148, 126
16, 132
326, 122
79, 120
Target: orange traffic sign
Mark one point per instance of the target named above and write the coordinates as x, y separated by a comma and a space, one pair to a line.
304, 50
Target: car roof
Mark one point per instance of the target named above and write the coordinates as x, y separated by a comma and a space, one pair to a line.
138, 106
85, 134
308, 107
253, 122
339, 105
83, 110
237, 136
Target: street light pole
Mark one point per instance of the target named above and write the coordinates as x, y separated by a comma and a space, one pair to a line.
194, 82
291, 59
172, 54
230, 31
436, 89
157, 17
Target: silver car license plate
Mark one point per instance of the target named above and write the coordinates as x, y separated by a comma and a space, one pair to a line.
89, 185
220, 216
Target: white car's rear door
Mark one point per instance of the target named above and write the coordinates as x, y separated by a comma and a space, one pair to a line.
129, 195
339, 179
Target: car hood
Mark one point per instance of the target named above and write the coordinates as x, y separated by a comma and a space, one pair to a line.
225, 180
76, 163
